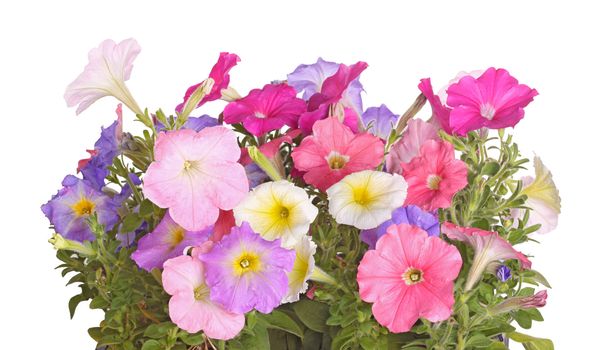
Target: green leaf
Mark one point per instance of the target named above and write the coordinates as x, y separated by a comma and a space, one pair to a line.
478, 340
152, 345
131, 223
192, 339
146, 208
496, 345
490, 168
523, 319
312, 313
530, 342
99, 303
157, 331
73, 302
279, 320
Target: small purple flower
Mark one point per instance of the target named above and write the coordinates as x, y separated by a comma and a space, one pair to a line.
382, 120
503, 273
168, 240
412, 215
70, 208
245, 271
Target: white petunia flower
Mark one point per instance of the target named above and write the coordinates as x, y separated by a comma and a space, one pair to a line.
367, 198
302, 270
277, 210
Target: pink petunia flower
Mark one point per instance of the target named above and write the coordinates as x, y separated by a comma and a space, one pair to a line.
187, 175
267, 109
489, 250
109, 67
220, 75
409, 276
440, 112
190, 306
408, 147
434, 176
494, 100
333, 152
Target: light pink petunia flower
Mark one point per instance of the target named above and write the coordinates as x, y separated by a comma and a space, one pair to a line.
434, 176
187, 175
409, 276
190, 306
267, 109
489, 250
333, 152
408, 147
108, 69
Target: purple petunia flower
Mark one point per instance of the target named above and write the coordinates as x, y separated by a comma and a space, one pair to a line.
245, 271
382, 120
411, 215
168, 240
69, 209
503, 273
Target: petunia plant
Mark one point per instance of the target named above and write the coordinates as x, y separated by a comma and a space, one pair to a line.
295, 219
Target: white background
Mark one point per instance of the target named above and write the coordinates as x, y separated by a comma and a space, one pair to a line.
44, 44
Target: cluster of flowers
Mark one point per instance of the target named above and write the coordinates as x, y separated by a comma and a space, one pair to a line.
238, 195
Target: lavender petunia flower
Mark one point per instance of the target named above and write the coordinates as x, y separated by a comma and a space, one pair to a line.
503, 273
308, 78
245, 271
412, 215
382, 120
255, 175
70, 208
168, 240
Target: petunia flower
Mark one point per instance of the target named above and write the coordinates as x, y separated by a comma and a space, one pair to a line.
381, 119
224, 225
220, 75
267, 109
166, 241
408, 147
409, 276
434, 176
277, 210
543, 199
520, 302
333, 152
187, 175
70, 208
494, 100
440, 111
304, 265
367, 198
411, 215
489, 250
245, 271
109, 67
190, 306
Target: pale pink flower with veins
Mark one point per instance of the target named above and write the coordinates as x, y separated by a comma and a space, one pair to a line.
408, 147
187, 175
109, 67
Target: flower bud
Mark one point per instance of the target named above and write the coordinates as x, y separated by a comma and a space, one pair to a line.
61, 243
265, 163
514, 303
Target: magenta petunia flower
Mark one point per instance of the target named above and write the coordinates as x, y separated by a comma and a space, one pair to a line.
409, 276
267, 109
408, 147
220, 75
489, 250
333, 152
440, 112
434, 176
167, 241
109, 67
245, 271
187, 175
190, 306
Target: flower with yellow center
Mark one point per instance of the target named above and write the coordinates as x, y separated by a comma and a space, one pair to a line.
83, 207
304, 264
277, 210
367, 198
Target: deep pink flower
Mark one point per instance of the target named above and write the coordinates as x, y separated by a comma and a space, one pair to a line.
440, 112
494, 100
190, 306
408, 147
409, 275
267, 109
221, 77
434, 176
489, 250
333, 152
187, 175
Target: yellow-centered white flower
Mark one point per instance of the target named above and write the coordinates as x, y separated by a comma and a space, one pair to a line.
367, 198
277, 209
304, 264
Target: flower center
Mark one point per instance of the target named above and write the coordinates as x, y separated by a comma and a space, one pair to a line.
336, 160
84, 207
487, 111
177, 236
260, 115
284, 212
413, 276
433, 181
201, 292
247, 262
362, 196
